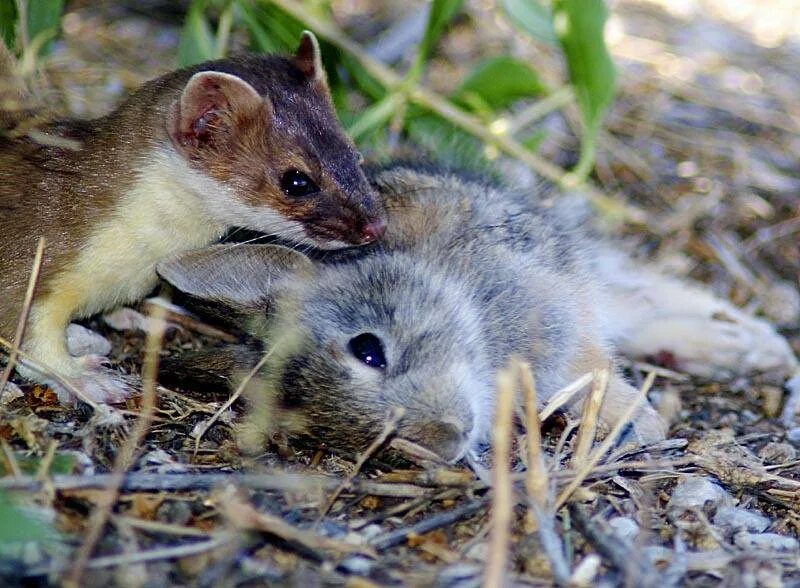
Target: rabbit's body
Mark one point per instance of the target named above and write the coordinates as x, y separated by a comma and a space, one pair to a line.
467, 275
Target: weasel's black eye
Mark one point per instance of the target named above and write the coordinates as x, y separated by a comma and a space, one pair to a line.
295, 183
367, 348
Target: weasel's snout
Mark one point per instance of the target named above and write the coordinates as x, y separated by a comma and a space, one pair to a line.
447, 437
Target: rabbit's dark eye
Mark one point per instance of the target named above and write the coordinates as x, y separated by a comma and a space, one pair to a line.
296, 184
367, 348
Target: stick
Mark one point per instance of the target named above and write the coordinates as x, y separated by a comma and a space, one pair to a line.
23, 317
147, 482
386, 540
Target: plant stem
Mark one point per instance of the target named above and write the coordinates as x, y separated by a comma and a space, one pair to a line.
445, 109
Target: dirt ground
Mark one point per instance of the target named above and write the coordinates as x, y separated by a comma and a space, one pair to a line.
704, 140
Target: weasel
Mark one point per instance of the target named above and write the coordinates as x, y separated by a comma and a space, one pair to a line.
249, 141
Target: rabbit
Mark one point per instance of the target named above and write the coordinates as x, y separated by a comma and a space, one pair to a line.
467, 274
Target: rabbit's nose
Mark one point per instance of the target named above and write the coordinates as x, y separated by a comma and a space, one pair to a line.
446, 437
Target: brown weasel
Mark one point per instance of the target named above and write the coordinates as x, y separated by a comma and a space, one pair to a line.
249, 141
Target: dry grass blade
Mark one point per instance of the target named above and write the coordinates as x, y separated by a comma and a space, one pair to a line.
564, 395
23, 317
537, 480
388, 429
502, 499
587, 465
589, 418
125, 456
233, 398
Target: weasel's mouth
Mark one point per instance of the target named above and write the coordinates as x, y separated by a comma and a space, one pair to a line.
332, 231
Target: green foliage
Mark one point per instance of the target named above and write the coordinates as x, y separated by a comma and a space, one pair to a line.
532, 17
579, 25
18, 525
8, 22
44, 17
496, 83
41, 24
198, 42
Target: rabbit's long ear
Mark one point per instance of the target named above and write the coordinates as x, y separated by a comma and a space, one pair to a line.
243, 276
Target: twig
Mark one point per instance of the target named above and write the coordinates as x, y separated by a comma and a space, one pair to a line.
536, 478
127, 452
147, 482
634, 567
244, 516
589, 417
392, 538
23, 316
388, 429
143, 556
602, 449
502, 500
228, 403
445, 109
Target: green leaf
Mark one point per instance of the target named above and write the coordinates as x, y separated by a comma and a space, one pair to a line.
376, 115
8, 22
271, 29
17, 525
579, 25
197, 42
499, 82
532, 17
441, 13
44, 17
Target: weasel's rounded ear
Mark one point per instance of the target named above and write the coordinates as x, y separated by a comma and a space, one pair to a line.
243, 276
212, 103
308, 58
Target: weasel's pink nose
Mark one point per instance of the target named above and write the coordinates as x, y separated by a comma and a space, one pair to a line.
373, 231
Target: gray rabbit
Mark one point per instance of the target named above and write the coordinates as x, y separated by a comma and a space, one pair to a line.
467, 275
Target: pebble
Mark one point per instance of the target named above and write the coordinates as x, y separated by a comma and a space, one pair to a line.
739, 519
696, 492
765, 541
793, 434
10, 393
358, 565
624, 527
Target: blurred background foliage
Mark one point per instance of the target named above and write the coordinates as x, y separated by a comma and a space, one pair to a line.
472, 118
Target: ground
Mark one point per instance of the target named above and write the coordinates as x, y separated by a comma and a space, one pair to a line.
704, 140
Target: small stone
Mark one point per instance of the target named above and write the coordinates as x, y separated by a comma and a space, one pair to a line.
774, 452
793, 435
176, 512
82, 341
10, 393
586, 571
735, 519
765, 541
695, 492
358, 565
781, 304
624, 527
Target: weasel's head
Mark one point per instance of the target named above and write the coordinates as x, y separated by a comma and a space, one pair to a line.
347, 344
263, 130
